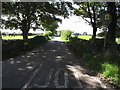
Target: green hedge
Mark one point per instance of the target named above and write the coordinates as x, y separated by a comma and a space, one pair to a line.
65, 34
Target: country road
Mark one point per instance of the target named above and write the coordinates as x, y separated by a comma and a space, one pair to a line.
52, 65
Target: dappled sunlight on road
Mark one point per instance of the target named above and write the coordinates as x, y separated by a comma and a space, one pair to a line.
86, 80
50, 66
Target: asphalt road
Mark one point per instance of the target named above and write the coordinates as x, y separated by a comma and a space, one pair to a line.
52, 65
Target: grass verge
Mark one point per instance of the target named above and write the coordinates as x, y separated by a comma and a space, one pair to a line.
106, 63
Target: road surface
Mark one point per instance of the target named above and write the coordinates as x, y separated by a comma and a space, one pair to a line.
52, 65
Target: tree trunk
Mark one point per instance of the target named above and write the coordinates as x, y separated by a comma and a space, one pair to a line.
25, 35
94, 23
94, 32
112, 26
25, 29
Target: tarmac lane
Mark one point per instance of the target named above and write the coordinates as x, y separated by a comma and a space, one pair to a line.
52, 65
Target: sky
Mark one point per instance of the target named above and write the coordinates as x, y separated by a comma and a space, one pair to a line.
76, 24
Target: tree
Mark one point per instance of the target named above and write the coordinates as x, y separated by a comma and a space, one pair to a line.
84, 33
52, 27
112, 26
90, 10
101, 34
26, 15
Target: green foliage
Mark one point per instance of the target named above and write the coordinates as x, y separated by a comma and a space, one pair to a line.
101, 34
90, 10
48, 33
109, 67
99, 64
52, 27
76, 35
110, 70
65, 34
23, 15
84, 33
93, 61
118, 40
59, 33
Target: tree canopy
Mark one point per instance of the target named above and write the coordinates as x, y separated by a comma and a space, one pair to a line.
26, 15
91, 10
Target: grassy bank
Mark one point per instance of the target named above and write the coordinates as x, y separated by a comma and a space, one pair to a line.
106, 63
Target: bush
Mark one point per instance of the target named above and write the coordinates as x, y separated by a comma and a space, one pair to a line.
48, 33
101, 34
93, 61
65, 34
76, 35
111, 71
58, 33
107, 69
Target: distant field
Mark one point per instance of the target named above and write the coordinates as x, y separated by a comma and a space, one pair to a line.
7, 37
89, 37
85, 37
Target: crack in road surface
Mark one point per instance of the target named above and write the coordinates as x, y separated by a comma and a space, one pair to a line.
52, 65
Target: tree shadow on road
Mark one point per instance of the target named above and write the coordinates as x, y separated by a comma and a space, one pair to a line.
17, 72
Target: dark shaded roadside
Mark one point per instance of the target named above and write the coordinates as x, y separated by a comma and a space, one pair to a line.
14, 48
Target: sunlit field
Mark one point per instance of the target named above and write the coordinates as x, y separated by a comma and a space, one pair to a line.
7, 37
85, 37
89, 37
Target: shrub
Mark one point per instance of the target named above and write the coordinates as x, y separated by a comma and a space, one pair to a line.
76, 35
107, 69
101, 34
93, 61
48, 33
58, 33
110, 70
65, 34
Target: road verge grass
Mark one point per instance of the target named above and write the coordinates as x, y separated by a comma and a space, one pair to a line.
106, 63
